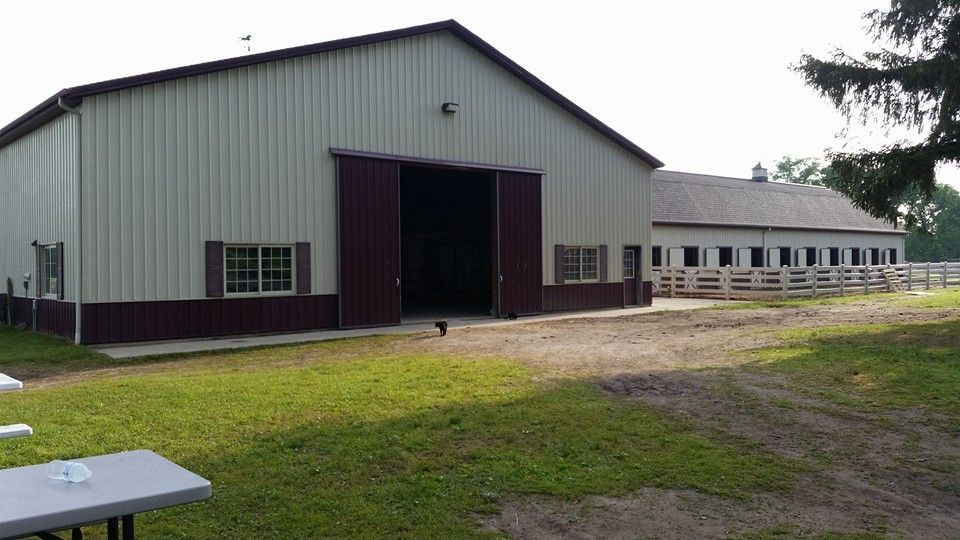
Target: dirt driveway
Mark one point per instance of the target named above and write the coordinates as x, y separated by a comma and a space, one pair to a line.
893, 473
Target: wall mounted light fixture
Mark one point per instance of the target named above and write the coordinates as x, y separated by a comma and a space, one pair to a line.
450, 107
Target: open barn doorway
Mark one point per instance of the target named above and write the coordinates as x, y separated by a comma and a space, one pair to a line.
446, 244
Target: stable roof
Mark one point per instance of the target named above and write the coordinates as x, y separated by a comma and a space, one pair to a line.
680, 198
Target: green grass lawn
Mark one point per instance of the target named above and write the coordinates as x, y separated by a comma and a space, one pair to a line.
937, 299
28, 354
347, 438
886, 365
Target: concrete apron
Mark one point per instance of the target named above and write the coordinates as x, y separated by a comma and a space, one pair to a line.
151, 348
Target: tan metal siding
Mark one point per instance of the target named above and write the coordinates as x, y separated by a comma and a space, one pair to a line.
707, 237
243, 156
37, 183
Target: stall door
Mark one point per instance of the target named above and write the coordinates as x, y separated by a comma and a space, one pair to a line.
825, 257
368, 204
773, 257
745, 257
519, 245
675, 256
712, 256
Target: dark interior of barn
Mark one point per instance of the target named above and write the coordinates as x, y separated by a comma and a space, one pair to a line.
445, 243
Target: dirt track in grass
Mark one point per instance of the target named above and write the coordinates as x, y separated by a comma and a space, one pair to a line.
893, 473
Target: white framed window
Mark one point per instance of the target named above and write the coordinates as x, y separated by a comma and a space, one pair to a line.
50, 270
580, 263
258, 269
628, 264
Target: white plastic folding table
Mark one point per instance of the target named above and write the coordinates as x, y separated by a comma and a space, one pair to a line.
122, 485
8, 384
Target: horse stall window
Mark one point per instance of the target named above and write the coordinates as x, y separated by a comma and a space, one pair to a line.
691, 255
811, 256
892, 257
874, 255
834, 257
656, 258
785, 257
855, 256
726, 255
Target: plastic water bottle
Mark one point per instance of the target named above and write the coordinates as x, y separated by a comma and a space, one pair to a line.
69, 471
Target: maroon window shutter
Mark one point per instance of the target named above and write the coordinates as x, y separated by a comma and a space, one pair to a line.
213, 253
602, 255
37, 277
558, 264
303, 267
60, 282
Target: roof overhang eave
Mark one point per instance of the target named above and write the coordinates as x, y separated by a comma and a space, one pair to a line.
779, 227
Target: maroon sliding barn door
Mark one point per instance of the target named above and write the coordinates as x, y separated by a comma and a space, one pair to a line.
520, 249
368, 194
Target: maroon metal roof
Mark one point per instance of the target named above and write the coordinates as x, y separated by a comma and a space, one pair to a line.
48, 110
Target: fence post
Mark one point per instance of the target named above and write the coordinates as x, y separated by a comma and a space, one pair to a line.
727, 282
945, 274
909, 276
928, 275
816, 275
784, 281
843, 277
866, 279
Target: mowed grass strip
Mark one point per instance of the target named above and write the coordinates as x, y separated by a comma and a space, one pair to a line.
349, 439
886, 365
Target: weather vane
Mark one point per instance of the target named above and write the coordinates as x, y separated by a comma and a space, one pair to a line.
247, 38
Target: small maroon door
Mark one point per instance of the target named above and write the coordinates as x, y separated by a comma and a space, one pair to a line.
519, 245
631, 274
369, 229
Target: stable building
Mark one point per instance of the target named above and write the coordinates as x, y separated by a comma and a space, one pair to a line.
714, 221
360, 182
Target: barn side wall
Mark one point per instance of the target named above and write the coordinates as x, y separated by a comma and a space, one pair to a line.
37, 186
244, 156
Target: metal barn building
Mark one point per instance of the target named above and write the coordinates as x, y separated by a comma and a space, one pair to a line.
351, 183
704, 220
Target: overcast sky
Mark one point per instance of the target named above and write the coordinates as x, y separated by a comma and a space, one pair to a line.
704, 86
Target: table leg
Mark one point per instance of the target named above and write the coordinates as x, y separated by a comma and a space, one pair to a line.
113, 532
127, 527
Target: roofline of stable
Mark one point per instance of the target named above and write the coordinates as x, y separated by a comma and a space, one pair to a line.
48, 109
777, 227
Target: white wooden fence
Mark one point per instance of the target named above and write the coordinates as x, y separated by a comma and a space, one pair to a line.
801, 281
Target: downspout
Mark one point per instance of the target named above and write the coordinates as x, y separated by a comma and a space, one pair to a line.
78, 276
765, 256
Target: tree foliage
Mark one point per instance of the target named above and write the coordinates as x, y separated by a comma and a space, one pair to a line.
809, 171
940, 239
913, 81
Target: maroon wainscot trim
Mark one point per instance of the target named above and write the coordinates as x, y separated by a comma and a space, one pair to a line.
182, 319
646, 293
576, 296
53, 316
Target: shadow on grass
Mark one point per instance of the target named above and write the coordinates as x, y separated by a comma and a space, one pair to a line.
898, 365
385, 447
